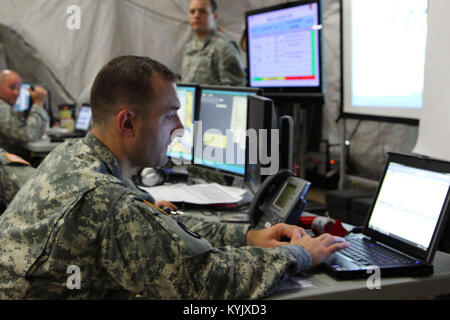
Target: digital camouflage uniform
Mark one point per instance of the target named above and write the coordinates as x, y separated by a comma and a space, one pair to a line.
77, 210
16, 131
213, 60
14, 172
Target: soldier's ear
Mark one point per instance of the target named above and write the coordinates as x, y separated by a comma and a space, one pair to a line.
124, 121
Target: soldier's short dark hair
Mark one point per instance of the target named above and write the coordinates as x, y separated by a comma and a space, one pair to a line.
126, 81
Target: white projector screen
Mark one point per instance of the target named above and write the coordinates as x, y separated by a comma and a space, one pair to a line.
383, 48
434, 128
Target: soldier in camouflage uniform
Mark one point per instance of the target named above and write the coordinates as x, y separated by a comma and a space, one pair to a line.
210, 58
14, 129
79, 228
14, 172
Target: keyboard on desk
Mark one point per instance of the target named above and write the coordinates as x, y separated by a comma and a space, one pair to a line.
365, 253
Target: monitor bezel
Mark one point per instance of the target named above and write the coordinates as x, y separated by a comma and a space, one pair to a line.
311, 92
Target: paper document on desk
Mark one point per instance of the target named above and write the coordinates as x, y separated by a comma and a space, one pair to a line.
202, 194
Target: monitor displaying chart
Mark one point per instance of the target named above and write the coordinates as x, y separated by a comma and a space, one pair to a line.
284, 46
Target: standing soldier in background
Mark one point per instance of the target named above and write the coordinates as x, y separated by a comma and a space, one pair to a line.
210, 58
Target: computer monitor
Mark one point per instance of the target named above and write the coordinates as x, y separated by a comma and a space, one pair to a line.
284, 48
261, 115
220, 141
23, 102
181, 148
84, 118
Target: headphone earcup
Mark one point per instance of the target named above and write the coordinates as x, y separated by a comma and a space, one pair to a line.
151, 177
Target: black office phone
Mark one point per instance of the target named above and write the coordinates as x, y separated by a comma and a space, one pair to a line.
281, 198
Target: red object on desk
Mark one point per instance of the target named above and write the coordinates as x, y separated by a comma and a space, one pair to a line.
320, 225
306, 222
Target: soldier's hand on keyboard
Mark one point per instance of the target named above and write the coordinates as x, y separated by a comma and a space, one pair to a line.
274, 235
322, 246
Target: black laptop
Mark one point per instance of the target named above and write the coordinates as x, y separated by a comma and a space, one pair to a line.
404, 224
82, 125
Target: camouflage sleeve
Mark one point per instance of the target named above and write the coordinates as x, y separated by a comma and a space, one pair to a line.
231, 70
14, 128
151, 254
218, 234
8, 185
12, 177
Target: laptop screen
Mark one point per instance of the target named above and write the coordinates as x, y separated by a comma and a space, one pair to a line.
84, 118
409, 204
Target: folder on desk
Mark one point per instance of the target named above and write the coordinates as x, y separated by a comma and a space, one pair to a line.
198, 194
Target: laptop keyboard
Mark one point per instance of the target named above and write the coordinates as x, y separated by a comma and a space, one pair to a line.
366, 253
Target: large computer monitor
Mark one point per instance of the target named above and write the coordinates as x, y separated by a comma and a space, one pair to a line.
181, 148
220, 142
284, 48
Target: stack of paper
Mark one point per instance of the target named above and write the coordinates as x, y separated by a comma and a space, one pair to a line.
202, 194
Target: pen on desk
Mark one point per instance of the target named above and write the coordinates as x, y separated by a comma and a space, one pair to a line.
156, 207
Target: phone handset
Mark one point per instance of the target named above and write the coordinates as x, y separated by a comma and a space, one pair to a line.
279, 199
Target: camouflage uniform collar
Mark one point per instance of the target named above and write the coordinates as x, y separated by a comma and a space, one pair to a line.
203, 41
104, 154
3, 102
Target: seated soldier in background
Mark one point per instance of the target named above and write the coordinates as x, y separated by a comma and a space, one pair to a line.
14, 172
14, 129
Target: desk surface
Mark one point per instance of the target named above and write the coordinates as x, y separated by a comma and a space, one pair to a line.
42, 146
317, 284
